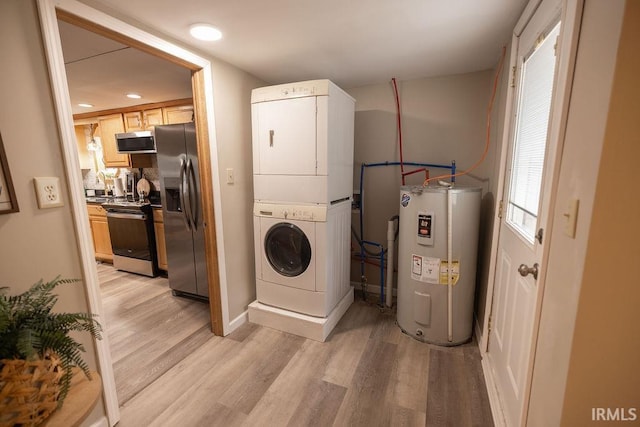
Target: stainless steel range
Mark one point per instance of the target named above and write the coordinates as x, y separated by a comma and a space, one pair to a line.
132, 237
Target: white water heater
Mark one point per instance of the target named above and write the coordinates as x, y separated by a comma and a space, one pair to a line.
437, 252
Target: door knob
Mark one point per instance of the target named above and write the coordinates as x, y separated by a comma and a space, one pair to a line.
524, 270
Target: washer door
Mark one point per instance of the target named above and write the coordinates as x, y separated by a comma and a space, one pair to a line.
287, 249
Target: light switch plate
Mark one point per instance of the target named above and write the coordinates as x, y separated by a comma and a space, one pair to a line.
48, 191
572, 218
230, 177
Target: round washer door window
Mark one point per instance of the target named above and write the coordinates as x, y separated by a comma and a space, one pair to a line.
287, 249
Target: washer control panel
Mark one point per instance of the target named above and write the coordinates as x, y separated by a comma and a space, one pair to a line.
291, 212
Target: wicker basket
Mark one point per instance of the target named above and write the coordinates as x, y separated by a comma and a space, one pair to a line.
29, 390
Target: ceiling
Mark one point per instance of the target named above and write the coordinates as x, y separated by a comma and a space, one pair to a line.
352, 42
101, 72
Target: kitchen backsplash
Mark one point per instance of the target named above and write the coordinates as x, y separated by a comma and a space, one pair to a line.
94, 182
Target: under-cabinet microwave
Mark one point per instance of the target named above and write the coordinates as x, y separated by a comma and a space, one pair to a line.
136, 142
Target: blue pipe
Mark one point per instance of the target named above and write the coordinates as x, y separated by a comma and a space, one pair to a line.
453, 171
451, 167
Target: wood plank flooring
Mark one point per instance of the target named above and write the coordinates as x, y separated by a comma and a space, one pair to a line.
171, 371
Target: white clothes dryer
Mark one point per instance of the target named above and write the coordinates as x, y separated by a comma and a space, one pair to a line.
302, 142
302, 256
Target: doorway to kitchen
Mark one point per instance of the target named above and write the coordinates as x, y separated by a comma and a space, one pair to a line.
149, 330
76, 13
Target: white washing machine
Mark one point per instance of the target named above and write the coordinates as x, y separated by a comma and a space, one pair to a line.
302, 256
302, 142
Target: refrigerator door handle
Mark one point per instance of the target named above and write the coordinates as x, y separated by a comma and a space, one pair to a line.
185, 203
193, 195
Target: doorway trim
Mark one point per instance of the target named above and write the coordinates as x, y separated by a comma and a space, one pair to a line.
202, 82
571, 17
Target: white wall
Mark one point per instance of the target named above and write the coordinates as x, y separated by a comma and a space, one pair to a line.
34, 243
443, 119
232, 105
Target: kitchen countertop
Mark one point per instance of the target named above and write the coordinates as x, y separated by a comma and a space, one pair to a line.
98, 200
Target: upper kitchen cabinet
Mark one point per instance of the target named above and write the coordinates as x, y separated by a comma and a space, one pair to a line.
109, 126
132, 119
177, 114
142, 120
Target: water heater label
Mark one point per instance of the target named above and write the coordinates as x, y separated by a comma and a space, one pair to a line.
425, 228
455, 272
433, 270
425, 269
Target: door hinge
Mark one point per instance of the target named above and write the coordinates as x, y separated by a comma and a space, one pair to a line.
513, 76
490, 325
500, 209
555, 46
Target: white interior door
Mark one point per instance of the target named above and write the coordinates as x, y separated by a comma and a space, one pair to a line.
519, 253
285, 136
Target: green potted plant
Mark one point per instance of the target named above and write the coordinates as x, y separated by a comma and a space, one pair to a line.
37, 353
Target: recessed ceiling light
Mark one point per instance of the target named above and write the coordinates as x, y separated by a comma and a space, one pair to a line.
205, 32
133, 96
85, 105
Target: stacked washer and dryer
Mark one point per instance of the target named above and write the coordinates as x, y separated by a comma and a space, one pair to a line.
303, 183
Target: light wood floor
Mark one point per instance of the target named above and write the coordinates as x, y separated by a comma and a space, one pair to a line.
171, 371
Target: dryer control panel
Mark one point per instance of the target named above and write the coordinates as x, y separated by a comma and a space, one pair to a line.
290, 90
291, 212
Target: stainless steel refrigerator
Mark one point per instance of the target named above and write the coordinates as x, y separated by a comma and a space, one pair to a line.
182, 209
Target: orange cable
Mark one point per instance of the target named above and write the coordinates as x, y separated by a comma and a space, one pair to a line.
397, 96
489, 110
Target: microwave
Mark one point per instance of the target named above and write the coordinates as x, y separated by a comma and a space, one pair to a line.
136, 142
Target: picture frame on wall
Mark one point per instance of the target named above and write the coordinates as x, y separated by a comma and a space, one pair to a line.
8, 200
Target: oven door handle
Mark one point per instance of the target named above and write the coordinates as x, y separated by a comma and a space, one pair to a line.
185, 200
193, 195
124, 215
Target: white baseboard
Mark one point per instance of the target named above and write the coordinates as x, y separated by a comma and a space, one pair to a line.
102, 422
492, 391
237, 322
372, 289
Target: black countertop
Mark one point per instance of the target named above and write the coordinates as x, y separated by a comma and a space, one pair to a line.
99, 199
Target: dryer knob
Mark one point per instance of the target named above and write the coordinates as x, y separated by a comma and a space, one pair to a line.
285, 214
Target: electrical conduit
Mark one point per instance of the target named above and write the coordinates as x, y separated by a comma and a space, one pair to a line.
449, 264
391, 238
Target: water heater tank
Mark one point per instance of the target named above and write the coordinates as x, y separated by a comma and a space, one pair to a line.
423, 300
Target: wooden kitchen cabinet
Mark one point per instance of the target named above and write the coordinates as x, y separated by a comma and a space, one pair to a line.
152, 118
109, 126
142, 120
133, 121
161, 246
100, 233
177, 114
